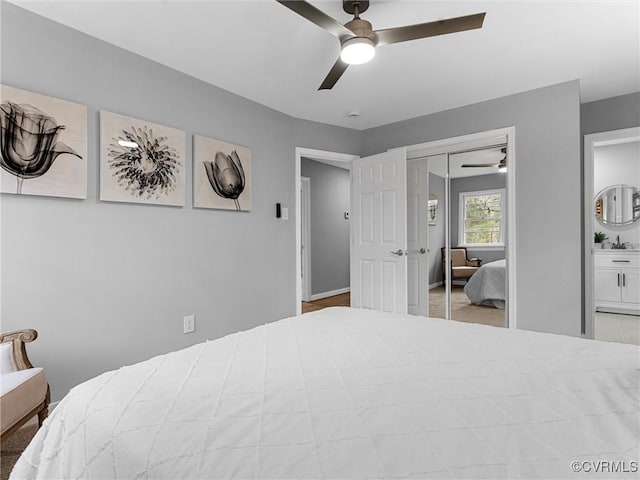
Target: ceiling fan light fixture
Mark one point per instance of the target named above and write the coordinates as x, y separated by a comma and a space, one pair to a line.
357, 50
358, 38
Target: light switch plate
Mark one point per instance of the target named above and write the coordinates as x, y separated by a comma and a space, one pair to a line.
189, 324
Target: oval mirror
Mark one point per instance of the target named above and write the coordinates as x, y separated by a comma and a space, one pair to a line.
618, 205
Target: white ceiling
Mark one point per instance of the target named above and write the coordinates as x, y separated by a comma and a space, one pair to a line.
263, 51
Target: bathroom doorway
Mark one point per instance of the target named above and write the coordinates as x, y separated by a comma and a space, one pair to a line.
612, 236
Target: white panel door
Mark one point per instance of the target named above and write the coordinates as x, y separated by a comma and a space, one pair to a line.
379, 232
417, 220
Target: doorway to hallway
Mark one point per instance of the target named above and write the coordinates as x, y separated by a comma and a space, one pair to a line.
322, 225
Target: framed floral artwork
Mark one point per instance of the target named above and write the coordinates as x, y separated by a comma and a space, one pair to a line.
221, 175
140, 161
432, 208
43, 145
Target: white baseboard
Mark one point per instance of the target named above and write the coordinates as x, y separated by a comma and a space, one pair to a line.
330, 293
53, 405
458, 282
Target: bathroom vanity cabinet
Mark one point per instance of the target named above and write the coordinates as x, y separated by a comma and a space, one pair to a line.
617, 281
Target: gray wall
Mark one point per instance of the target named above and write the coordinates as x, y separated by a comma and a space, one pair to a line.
470, 184
547, 123
613, 113
330, 197
86, 274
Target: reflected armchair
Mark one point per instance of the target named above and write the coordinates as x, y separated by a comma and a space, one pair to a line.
461, 265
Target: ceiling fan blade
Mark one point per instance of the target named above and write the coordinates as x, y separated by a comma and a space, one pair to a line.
334, 75
318, 17
431, 29
479, 165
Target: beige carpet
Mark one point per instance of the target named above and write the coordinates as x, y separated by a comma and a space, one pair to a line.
462, 310
13, 447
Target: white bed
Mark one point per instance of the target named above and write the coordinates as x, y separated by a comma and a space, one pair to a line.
487, 286
345, 393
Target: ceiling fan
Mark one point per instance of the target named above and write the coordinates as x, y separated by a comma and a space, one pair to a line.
359, 40
501, 165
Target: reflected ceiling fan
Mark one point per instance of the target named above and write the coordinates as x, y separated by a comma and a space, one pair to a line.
359, 40
501, 165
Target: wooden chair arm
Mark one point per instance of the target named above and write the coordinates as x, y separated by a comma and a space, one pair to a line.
18, 340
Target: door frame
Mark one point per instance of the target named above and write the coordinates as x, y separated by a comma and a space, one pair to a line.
422, 214
305, 221
323, 156
591, 141
489, 137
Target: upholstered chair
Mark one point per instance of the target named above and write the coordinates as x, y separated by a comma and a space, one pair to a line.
461, 265
24, 391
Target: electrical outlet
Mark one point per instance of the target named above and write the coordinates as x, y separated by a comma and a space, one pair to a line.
189, 324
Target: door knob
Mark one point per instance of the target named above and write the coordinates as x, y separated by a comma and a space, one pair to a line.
398, 252
423, 251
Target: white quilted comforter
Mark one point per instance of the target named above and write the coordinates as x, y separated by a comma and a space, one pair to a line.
344, 393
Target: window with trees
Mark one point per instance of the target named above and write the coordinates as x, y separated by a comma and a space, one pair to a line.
482, 218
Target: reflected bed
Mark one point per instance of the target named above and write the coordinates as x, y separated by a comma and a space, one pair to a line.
487, 286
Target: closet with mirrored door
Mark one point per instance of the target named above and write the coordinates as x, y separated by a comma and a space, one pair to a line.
457, 233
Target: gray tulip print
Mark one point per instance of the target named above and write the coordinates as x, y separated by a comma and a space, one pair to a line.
226, 176
28, 141
148, 169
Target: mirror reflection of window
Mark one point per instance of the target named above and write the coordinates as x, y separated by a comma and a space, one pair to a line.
482, 218
626, 206
610, 206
